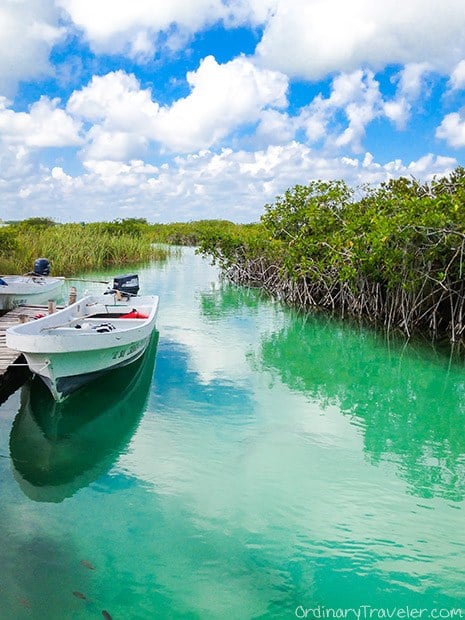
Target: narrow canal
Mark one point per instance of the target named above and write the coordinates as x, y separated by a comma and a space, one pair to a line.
255, 464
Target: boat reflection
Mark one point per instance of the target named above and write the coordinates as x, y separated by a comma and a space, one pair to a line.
58, 448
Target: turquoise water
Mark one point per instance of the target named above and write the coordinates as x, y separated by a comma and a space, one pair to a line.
260, 465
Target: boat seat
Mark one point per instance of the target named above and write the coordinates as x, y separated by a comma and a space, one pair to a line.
89, 324
107, 315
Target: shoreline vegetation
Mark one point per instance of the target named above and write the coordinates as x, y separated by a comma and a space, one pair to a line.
392, 256
75, 248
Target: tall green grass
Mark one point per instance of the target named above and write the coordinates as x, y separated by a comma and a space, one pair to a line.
73, 248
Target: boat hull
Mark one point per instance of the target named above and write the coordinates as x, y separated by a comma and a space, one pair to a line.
23, 290
64, 373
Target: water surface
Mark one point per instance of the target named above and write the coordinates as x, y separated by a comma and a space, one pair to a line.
263, 463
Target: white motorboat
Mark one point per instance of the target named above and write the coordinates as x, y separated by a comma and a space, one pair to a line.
75, 345
28, 290
36, 287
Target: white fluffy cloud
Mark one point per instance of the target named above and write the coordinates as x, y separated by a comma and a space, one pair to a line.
118, 26
223, 98
357, 97
28, 31
275, 127
126, 119
117, 99
411, 83
228, 184
452, 130
457, 78
310, 39
305, 38
122, 114
43, 126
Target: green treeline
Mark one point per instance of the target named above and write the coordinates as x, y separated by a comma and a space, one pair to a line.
191, 233
393, 255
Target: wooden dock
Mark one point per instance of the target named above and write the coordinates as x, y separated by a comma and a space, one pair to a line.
13, 367
10, 319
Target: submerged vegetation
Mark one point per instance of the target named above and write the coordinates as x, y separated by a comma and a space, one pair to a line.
393, 255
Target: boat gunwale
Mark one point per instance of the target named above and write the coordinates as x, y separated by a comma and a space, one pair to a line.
51, 340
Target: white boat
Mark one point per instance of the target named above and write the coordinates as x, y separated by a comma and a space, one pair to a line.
74, 346
30, 289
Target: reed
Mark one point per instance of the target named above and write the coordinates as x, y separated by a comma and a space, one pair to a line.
73, 248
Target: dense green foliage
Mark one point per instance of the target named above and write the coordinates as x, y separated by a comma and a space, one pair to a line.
74, 248
190, 233
394, 254
35, 223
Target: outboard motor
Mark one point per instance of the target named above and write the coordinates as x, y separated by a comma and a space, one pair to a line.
126, 284
42, 267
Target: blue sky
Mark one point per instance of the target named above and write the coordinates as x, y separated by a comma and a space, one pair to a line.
186, 110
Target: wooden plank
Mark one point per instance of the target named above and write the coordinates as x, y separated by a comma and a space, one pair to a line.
8, 356
10, 319
13, 367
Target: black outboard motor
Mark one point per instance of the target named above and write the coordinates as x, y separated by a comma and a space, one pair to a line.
42, 267
126, 284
